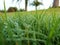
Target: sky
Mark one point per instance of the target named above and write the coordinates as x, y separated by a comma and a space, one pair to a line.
20, 5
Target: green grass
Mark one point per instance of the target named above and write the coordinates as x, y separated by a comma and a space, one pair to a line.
27, 28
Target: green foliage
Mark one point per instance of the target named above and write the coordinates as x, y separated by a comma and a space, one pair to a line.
21, 10
40, 29
36, 3
30, 30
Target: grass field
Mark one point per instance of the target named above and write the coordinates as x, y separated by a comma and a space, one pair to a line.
29, 28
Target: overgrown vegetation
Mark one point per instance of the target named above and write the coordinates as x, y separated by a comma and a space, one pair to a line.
40, 29
34, 29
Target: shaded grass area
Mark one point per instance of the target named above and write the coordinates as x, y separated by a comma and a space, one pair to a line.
29, 28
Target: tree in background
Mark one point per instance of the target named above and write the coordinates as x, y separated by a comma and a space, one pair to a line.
26, 4
56, 3
36, 3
